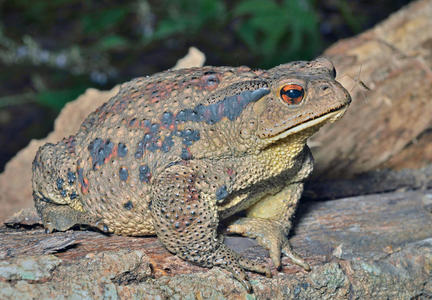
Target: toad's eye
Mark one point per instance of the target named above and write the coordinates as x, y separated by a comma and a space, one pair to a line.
292, 93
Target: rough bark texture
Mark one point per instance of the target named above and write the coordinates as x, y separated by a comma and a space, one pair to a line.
370, 183
388, 71
369, 247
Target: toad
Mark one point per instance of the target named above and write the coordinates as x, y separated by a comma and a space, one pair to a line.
176, 153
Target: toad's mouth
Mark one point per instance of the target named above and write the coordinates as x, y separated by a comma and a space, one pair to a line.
319, 121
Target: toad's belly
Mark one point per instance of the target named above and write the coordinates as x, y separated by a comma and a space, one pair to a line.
242, 201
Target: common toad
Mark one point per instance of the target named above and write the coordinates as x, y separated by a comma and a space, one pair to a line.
174, 153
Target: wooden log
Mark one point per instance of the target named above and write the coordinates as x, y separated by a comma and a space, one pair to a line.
388, 71
370, 183
367, 247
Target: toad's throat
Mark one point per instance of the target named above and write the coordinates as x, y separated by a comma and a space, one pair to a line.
331, 116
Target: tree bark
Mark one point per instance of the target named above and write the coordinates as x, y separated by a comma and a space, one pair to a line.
388, 71
367, 247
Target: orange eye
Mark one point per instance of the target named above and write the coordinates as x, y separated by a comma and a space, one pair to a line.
292, 93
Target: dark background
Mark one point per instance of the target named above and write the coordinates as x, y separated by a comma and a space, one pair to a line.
52, 50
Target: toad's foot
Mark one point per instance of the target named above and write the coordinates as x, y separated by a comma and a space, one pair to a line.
62, 217
271, 235
226, 258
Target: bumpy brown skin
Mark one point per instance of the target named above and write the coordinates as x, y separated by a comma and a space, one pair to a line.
174, 153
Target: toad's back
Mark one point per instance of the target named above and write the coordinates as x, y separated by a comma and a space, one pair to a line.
106, 169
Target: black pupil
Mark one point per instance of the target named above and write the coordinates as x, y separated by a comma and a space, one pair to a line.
294, 93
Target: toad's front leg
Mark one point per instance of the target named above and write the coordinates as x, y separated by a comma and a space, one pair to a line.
186, 218
269, 222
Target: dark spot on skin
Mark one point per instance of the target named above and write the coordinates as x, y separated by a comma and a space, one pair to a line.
147, 123
132, 122
187, 115
144, 174
63, 193
185, 154
230, 107
167, 144
71, 177
221, 193
211, 81
153, 146
155, 94
154, 127
59, 184
140, 150
73, 195
189, 136
123, 173
82, 180
139, 154
148, 142
147, 137
99, 151
181, 116
80, 176
122, 150
234, 105
210, 113
167, 118
128, 205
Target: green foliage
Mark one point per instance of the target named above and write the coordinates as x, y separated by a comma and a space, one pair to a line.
56, 99
104, 20
279, 31
354, 22
186, 16
111, 42
274, 31
41, 11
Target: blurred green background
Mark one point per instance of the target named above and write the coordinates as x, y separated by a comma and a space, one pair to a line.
52, 50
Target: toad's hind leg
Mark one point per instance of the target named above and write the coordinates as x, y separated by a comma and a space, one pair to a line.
53, 197
62, 217
185, 218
